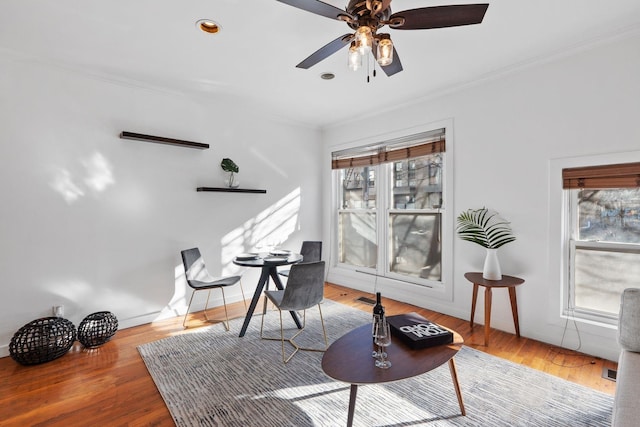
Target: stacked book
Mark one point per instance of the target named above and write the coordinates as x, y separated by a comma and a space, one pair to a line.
418, 332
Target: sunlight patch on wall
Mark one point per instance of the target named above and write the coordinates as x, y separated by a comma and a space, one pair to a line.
63, 183
99, 173
97, 176
268, 229
177, 306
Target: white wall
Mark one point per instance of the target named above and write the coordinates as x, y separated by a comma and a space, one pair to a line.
507, 132
94, 222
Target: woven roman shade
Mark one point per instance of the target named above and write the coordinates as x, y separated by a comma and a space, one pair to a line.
387, 153
624, 175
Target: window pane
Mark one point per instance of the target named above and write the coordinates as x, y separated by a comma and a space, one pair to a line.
417, 183
357, 238
358, 188
415, 245
609, 215
601, 276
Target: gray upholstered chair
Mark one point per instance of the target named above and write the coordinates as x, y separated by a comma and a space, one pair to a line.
199, 279
305, 288
626, 411
311, 251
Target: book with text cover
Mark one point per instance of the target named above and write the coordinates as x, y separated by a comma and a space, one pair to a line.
418, 332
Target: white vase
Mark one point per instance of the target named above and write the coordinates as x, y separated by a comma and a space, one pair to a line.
491, 270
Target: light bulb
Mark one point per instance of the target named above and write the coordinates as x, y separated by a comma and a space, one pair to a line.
364, 39
354, 60
385, 50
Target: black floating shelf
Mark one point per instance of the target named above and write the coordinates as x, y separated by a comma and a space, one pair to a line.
231, 190
163, 140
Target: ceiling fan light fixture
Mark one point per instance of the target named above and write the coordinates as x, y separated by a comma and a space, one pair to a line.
364, 39
385, 50
366, 17
354, 60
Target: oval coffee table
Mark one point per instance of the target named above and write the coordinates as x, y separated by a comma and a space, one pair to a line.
349, 360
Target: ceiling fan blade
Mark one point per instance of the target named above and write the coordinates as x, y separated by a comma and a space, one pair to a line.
325, 51
318, 7
438, 17
394, 67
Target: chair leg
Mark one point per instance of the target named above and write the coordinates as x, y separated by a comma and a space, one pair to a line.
207, 305
226, 315
324, 333
243, 298
284, 358
184, 320
282, 339
264, 311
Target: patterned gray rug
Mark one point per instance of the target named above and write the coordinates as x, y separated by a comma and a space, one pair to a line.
210, 377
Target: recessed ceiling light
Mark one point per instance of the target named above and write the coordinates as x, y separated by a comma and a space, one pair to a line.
208, 26
327, 76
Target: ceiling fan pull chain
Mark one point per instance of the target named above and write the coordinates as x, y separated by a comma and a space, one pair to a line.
368, 69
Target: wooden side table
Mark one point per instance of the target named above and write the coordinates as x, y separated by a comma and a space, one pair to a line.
509, 282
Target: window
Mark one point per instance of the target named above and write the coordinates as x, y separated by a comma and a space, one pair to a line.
414, 217
357, 240
603, 236
390, 200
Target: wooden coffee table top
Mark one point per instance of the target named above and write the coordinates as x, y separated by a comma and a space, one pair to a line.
349, 359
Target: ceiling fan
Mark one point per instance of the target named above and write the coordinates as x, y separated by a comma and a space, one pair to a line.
366, 17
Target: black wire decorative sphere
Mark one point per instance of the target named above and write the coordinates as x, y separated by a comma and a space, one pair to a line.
42, 340
97, 328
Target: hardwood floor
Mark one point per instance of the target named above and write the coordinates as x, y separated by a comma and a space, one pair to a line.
111, 385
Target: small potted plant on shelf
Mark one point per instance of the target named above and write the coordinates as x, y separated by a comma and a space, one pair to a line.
487, 229
230, 166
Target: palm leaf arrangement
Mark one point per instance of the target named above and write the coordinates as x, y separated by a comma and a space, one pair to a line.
484, 227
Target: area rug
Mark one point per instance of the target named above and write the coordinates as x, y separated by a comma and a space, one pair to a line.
210, 377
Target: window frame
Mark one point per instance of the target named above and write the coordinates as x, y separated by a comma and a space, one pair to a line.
569, 235
390, 210
355, 210
401, 287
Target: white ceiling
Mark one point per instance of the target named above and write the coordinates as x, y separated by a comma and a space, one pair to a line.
156, 43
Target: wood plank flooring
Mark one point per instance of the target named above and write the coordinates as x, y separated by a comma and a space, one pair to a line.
111, 385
